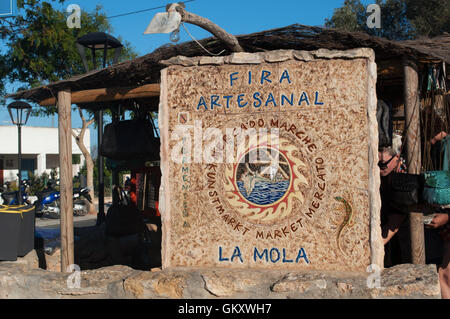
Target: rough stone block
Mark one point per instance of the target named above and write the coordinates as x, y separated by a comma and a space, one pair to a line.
53, 261
227, 284
180, 60
349, 54
28, 262
399, 282
207, 60
409, 281
156, 285
245, 58
278, 56
303, 56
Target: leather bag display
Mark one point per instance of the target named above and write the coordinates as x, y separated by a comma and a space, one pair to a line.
406, 190
122, 218
130, 139
437, 187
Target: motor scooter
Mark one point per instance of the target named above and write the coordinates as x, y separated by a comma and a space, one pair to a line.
12, 198
48, 204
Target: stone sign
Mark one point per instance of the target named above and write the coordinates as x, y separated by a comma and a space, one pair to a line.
269, 161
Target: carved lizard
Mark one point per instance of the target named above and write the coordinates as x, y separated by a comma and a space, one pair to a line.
347, 219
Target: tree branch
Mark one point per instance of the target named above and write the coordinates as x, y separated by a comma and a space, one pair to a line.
229, 39
90, 122
81, 116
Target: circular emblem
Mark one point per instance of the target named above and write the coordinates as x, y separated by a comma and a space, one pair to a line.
265, 181
263, 176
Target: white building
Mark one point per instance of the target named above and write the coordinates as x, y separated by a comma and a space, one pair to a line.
40, 151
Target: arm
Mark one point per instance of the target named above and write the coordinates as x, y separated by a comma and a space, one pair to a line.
438, 137
439, 220
392, 226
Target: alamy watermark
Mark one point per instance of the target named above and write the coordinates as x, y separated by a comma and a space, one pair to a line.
193, 144
374, 279
74, 19
374, 19
74, 279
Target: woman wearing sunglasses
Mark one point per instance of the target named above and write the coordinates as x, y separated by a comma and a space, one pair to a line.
389, 162
391, 218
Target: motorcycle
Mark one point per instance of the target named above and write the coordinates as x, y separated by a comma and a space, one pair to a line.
12, 198
81, 205
48, 204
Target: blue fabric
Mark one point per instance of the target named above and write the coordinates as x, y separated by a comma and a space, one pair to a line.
437, 196
437, 179
446, 153
437, 183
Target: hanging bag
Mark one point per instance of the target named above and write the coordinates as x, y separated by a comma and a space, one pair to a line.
123, 218
131, 139
437, 188
405, 190
147, 254
437, 183
437, 180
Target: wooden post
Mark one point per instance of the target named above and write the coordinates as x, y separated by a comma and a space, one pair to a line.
413, 147
66, 186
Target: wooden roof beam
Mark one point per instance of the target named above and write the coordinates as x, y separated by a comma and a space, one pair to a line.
109, 94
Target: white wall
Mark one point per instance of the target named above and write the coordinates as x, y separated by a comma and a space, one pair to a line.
35, 140
39, 143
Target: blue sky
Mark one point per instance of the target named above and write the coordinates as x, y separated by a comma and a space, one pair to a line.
235, 16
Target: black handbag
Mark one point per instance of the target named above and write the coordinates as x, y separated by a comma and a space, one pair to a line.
147, 254
130, 139
123, 219
406, 190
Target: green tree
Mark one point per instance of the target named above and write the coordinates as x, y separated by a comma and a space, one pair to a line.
400, 19
350, 17
430, 17
41, 49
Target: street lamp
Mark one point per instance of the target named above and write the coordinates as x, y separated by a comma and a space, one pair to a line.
19, 112
99, 41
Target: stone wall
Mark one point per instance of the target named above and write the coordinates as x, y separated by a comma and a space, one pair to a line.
23, 279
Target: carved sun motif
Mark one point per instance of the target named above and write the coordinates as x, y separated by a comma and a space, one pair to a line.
264, 182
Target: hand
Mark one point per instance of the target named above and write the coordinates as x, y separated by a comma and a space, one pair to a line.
438, 137
439, 220
392, 226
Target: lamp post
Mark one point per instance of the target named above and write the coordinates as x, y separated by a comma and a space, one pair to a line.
99, 41
19, 112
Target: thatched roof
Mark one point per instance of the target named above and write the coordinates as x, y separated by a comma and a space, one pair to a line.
438, 46
146, 69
